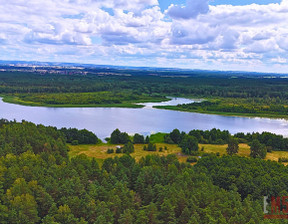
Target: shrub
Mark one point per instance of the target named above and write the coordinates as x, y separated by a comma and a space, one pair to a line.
283, 160
110, 151
194, 153
128, 148
119, 150
151, 147
75, 142
191, 159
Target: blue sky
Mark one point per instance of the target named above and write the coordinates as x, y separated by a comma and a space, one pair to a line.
164, 4
197, 34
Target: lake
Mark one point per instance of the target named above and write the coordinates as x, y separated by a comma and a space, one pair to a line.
147, 120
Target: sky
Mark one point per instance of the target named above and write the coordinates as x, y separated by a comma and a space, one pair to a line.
243, 35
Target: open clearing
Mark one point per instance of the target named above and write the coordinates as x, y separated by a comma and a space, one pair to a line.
100, 151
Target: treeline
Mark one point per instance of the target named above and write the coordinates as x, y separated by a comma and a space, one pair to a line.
75, 136
97, 98
70, 135
215, 136
17, 138
230, 106
274, 91
270, 140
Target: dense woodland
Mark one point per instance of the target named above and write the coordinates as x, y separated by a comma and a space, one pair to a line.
41, 184
226, 93
238, 106
216, 136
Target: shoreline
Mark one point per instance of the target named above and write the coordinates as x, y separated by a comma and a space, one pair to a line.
137, 105
132, 105
269, 116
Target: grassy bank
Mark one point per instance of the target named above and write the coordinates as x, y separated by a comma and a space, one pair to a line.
100, 151
24, 100
131, 104
176, 108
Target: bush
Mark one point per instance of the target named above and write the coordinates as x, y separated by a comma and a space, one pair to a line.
283, 160
189, 144
128, 148
191, 159
110, 151
151, 147
75, 142
194, 153
160, 149
119, 150
269, 148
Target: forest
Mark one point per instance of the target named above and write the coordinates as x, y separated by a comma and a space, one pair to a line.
225, 93
41, 183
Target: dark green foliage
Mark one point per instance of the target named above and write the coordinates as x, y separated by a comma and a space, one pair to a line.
147, 140
118, 137
36, 187
110, 151
75, 142
255, 106
258, 150
283, 160
214, 136
189, 144
254, 177
82, 136
138, 139
191, 159
128, 148
273, 141
151, 147
119, 150
17, 138
194, 153
233, 147
175, 136
168, 140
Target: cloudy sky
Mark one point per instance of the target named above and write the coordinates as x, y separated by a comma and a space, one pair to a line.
198, 34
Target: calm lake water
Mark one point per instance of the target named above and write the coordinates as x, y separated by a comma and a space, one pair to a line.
102, 121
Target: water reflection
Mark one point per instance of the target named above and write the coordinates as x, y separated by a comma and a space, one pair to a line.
102, 121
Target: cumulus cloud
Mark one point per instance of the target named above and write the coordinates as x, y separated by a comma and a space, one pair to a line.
123, 32
192, 9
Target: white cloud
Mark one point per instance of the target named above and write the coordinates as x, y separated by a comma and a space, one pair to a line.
98, 31
192, 9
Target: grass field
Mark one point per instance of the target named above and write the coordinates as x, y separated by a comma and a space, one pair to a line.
100, 151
